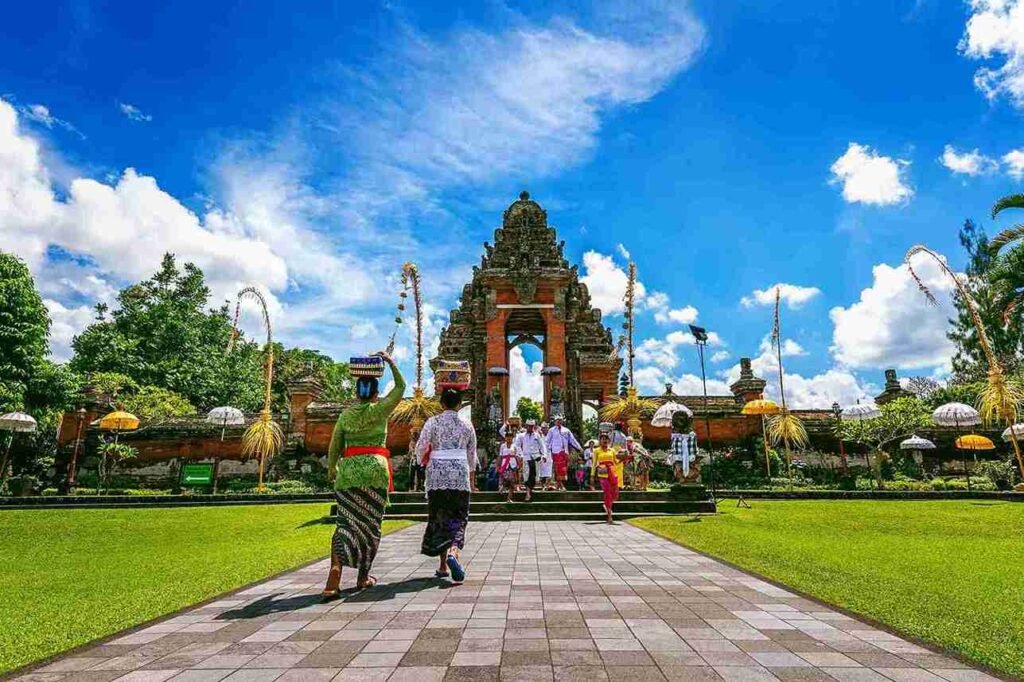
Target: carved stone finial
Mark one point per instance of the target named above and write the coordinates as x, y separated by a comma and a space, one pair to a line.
748, 387
893, 389
524, 196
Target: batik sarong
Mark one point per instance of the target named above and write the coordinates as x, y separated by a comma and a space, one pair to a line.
561, 462
610, 488
357, 536
447, 516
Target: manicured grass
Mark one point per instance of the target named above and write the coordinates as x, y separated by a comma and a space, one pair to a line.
947, 572
71, 576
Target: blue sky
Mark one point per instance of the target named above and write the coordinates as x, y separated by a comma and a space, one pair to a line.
727, 147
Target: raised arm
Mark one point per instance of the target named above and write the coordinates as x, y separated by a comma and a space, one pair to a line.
388, 403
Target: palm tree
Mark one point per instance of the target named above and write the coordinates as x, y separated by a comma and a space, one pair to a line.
1008, 279
1001, 398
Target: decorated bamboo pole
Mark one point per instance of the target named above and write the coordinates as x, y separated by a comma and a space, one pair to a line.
419, 407
264, 438
784, 426
1001, 398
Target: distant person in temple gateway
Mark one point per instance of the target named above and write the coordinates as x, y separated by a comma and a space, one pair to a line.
560, 440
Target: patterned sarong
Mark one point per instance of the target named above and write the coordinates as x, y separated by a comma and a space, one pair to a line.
357, 537
448, 514
561, 462
610, 488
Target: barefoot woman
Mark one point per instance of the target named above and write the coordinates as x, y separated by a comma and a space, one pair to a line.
447, 445
360, 465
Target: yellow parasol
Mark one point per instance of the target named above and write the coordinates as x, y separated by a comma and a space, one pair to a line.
119, 420
763, 407
973, 441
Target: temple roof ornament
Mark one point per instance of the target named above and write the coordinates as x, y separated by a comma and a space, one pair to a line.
748, 386
893, 389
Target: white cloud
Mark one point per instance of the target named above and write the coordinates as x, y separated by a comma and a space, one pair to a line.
623, 251
64, 324
664, 352
133, 113
720, 356
1014, 161
793, 295
868, 177
606, 281
892, 325
524, 378
362, 330
995, 30
968, 163
684, 315
818, 391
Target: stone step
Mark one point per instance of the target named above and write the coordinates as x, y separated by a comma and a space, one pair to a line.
560, 516
545, 506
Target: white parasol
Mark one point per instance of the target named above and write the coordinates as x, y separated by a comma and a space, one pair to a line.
956, 414
225, 417
1018, 430
17, 421
860, 413
663, 416
915, 442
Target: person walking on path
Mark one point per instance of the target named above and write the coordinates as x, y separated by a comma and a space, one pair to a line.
359, 465
447, 449
559, 441
533, 450
509, 465
607, 470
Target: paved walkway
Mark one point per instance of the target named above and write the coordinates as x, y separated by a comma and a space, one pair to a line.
554, 601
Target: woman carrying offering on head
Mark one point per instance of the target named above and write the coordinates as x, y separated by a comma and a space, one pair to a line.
447, 447
360, 466
607, 469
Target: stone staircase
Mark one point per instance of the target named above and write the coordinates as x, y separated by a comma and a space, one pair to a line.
562, 506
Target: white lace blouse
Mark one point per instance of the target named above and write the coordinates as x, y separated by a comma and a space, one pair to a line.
446, 432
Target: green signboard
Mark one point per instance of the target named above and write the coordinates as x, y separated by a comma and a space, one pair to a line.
197, 474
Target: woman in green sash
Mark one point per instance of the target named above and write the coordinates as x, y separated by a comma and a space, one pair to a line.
360, 466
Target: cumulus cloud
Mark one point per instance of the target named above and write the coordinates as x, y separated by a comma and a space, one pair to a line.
1014, 161
793, 295
133, 113
995, 31
720, 356
524, 378
65, 322
968, 163
892, 324
868, 177
664, 352
606, 281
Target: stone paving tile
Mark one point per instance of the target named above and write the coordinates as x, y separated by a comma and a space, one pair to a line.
542, 602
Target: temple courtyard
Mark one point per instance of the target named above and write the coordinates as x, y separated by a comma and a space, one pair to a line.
544, 601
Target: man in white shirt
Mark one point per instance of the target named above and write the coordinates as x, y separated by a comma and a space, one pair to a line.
533, 450
559, 440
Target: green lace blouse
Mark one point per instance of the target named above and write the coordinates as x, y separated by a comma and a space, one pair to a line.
363, 424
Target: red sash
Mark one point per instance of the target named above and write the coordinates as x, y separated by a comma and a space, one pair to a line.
360, 450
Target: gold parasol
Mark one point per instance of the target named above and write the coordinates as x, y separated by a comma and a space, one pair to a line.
763, 407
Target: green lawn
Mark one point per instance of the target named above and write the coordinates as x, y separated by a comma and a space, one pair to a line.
948, 572
68, 577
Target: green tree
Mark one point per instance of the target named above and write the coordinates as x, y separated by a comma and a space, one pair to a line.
24, 329
162, 333
898, 421
153, 403
527, 408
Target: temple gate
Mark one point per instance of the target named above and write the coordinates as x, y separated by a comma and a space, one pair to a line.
525, 292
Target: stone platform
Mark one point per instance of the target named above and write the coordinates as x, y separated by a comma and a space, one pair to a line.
542, 602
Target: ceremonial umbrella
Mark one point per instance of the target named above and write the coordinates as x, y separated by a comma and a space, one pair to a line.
763, 407
1018, 430
663, 415
957, 415
975, 442
916, 444
118, 421
225, 416
14, 422
861, 413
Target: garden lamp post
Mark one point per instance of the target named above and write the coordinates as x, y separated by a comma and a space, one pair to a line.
80, 417
838, 412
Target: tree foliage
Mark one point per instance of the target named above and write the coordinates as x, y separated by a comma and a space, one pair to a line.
527, 408
992, 280
898, 421
24, 329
